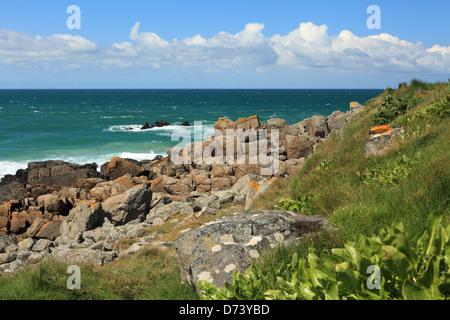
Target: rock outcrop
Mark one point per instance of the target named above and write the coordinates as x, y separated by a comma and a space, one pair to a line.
381, 139
214, 251
79, 214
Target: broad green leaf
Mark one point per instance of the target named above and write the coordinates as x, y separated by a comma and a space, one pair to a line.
347, 277
332, 292
396, 262
410, 291
354, 255
430, 278
432, 239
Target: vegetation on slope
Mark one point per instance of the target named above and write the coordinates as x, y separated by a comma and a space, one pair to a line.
151, 274
363, 196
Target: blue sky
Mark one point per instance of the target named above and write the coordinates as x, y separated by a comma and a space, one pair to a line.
222, 44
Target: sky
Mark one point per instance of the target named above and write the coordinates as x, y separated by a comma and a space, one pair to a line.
222, 44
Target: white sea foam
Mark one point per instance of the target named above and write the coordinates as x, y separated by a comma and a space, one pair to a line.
167, 131
11, 167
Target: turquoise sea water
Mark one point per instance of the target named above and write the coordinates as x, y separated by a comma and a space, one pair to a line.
84, 126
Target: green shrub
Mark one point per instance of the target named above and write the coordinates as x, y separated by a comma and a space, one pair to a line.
303, 205
391, 174
389, 266
440, 109
391, 107
323, 166
402, 85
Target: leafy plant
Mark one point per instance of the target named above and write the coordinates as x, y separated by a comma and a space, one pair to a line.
440, 109
389, 266
303, 205
391, 107
391, 175
323, 166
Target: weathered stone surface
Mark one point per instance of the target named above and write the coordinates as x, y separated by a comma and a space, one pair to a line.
133, 204
87, 215
213, 251
250, 123
6, 241
337, 121
165, 212
105, 190
317, 126
224, 124
276, 123
222, 183
84, 256
355, 108
298, 147
380, 143
59, 173
19, 222
12, 190
43, 245
25, 244
51, 230
54, 204
35, 227
118, 167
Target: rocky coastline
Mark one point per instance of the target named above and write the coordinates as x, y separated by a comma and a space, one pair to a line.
80, 213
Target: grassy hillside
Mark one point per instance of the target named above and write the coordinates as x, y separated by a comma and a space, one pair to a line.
362, 196
151, 274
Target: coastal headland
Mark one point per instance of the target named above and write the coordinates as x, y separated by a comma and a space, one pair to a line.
79, 213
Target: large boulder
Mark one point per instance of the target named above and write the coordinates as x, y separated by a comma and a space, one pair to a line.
12, 190
355, 108
54, 204
50, 230
214, 251
298, 147
250, 123
337, 121
276, 123
6, 241
160, 214
317, 126
87, 215
133, 204
83, 256
118, 167
105, 190
380, 140
59, 173
224, 124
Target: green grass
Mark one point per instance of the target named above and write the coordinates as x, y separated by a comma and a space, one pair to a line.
151, 274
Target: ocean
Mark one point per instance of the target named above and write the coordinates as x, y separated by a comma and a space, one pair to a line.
85, 126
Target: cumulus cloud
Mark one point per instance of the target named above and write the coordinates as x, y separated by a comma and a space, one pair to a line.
309, 46
24, 50
249, 46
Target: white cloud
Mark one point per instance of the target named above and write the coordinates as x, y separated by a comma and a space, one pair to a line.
20, 49
309, 46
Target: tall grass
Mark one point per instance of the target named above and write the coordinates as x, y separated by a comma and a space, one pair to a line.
355, 207
151, 274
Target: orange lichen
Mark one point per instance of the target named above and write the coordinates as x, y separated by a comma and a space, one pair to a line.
255, 185
381, 130
354, 104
